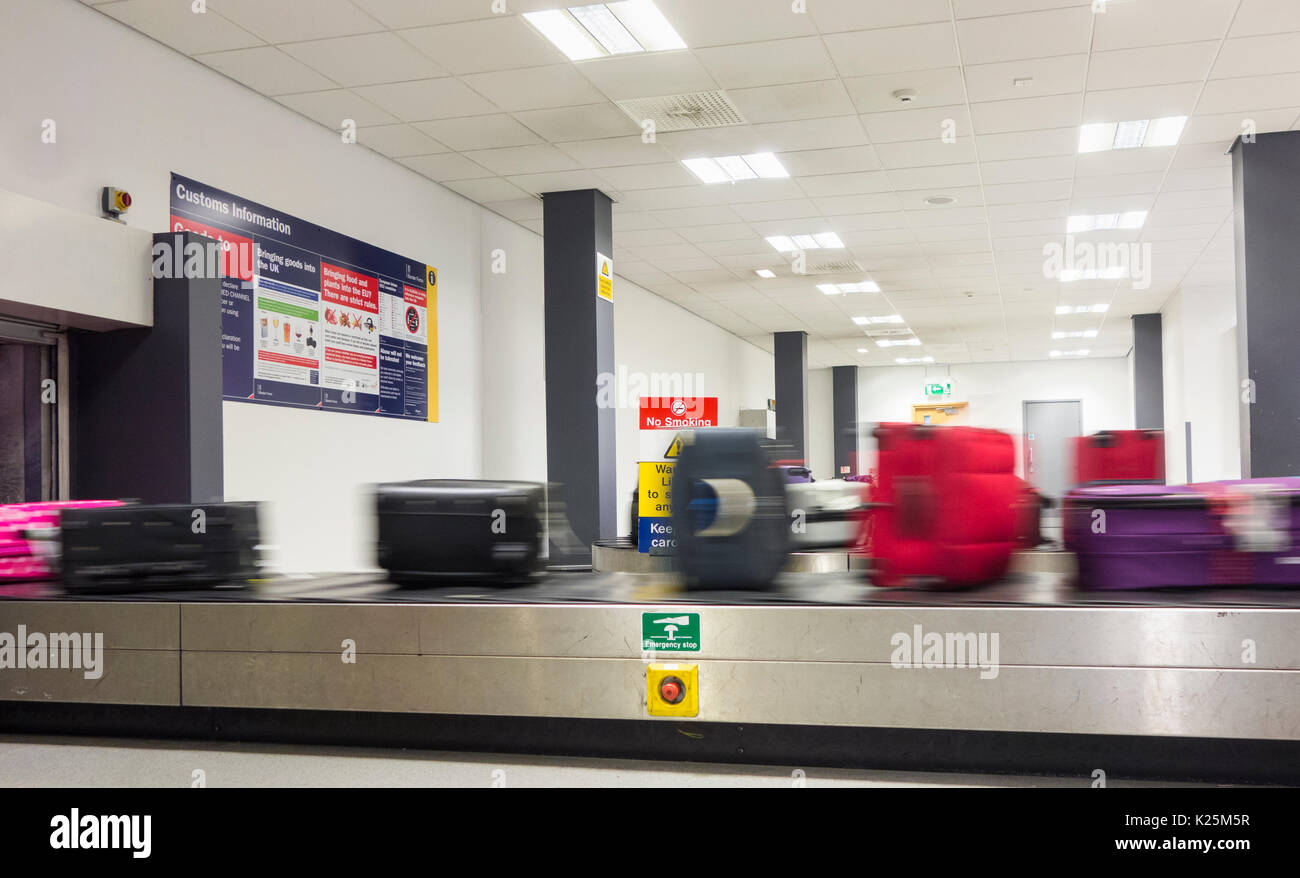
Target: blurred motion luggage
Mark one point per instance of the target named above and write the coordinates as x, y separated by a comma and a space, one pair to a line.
947, 508
1185, 536
159, 547
29, 543
729, 511
825, 514
1120, 457
459, 528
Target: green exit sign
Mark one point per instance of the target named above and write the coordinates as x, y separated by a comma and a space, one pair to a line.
939, 388
670, 632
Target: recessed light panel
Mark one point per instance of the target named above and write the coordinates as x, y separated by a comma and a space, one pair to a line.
1100, 136
1082, 309
601, 29
736, 168
823, 241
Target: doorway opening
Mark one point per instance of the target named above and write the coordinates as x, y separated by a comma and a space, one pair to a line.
33, 414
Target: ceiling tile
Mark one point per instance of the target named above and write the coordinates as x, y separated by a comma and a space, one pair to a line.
833, 16
590, 122
722, 22
1266, 17
283, 21
539, 159
1247, 92
803, 59
648, 74
1027, 35
1051, 76
844, 184
615, 151
487, 189
480, 132
534, 88
1257, 56
1000, 117
843, 160
919, 124
1158, 22
413, 13
893, 50
267, 70
1151, 102
1152, 65
784, 103
176, 25
331, 108
427, 99
398, 141
497, 43
933, 88
656, 176
365, 59
448, 166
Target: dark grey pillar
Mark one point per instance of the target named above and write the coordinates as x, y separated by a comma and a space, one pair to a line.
844, 405
790, 352
1266, 202
146, 415
1148, 373
579, 349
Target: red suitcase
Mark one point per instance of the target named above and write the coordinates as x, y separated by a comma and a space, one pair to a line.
1115, 457
947, 508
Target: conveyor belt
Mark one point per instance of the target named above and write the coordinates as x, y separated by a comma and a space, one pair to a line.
816, 651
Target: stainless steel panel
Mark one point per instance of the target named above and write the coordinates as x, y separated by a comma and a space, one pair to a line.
1118, 701
124, 625
130, 676
375, 628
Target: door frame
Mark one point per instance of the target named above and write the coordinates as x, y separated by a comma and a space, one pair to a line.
17, 331
1024, 429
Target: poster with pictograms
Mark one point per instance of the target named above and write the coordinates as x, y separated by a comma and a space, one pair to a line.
312, 318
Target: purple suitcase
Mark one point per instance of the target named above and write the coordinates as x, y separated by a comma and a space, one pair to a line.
1185, 536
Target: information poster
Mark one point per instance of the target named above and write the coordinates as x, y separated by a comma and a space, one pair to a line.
315, 319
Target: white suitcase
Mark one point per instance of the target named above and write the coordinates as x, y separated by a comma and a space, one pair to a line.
823, 515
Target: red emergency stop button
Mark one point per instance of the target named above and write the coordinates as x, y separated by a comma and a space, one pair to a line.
672, 690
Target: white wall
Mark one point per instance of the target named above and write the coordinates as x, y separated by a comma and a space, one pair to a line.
821, 424
129, 111
1199, 347
996, 392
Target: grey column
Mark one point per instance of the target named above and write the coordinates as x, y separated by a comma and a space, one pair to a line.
844, 405
1148, 373
1266, 203
146, 414
579, 349
790, 353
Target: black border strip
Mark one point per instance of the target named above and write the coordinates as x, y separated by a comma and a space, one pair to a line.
1126, 757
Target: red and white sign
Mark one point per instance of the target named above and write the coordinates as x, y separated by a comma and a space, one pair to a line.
678, 412
342, 286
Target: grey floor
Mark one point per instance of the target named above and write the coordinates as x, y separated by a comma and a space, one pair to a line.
82, 762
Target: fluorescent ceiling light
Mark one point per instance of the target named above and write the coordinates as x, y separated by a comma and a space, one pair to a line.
861, 321
864, 350
1133, 219
823, 241
888, 318
866, 286
647, 24
898, 342
908, 361
764, 272
735, 168
1082, 353
1167, 131
766, 165
606, 28
1082, 309
600, 29
707, 170
1099, 136
1086, 333
568, 36
1129, 135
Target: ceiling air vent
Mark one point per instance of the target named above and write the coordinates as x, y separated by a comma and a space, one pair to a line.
703, 109
842, 266
889, 333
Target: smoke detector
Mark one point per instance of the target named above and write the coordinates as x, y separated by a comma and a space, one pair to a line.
906, 95
940, 200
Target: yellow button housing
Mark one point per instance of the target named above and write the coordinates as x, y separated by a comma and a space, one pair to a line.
689, 675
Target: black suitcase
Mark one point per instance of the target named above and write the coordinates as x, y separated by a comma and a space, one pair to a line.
730, 515
448, 529
158, 547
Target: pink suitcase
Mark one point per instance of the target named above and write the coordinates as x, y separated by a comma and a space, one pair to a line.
26, 559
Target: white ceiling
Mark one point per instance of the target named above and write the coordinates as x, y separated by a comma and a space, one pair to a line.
485, 105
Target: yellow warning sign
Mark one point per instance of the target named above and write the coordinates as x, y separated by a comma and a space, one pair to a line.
604, 277
674, 450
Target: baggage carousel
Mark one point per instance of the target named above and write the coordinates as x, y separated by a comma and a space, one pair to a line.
821, 669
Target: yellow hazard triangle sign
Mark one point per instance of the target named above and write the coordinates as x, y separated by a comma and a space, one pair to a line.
675, 450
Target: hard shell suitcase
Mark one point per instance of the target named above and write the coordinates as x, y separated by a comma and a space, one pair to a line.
447, 529
946, 509
824, 514
1185, 536
27, 549
1120, 457
159, 547
729, 511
